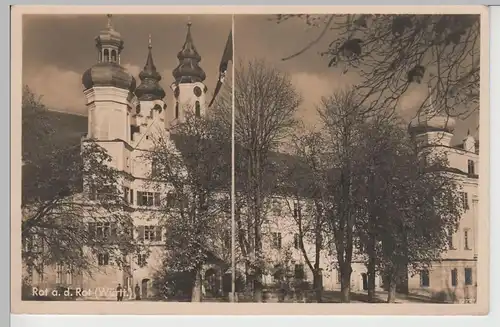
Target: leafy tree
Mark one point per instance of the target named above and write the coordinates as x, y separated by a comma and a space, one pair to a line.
72, 203
409, 203
194, 162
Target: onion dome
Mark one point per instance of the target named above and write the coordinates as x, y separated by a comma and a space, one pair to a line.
430, 120
149, 89
107, 71
188, 70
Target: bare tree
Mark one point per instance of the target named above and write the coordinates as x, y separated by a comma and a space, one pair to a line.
343, 118
302, 184
389, 52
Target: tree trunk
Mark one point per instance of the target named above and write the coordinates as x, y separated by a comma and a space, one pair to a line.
391, 295
371, 275
196, 294
257, 286
318, 286
371, 280
345, 283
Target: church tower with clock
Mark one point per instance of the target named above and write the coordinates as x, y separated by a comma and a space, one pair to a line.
188, 88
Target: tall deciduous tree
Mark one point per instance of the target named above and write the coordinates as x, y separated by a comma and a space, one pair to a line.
302, 178
193, 161
409, 201
265, 104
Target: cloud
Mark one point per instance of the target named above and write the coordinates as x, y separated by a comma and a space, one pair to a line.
313, 87
61, 89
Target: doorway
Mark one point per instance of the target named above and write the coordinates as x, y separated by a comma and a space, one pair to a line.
144, 288
365, 281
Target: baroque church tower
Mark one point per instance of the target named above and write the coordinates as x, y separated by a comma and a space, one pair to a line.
188, 88
111, 102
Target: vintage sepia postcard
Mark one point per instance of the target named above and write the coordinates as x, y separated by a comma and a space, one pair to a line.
250, 160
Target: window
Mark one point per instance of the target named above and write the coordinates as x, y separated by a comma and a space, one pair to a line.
104, 231
154, 168
106, 55
454, 277
176, 110
470, 167
59, 273
113, 55
295, 209
424, 278
141, 260
296, 241
299, 271
41, 269
339, 276
150, 233
69, 275
277, 240
103, 259
131, 196
466, 239
468, 276
465, 200
197, 109
450, 240
148, 199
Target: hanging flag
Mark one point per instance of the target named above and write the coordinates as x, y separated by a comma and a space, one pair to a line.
227, 56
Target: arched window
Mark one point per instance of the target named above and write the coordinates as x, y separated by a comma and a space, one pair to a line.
176, 110
113, 55
197, 109
106, 55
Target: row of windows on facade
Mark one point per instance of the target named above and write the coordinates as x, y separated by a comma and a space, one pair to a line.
104, 259
425, 278
150, 199
64, 274
466, 234
277, 240
107, 231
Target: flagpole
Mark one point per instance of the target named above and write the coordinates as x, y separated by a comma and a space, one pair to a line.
233, 188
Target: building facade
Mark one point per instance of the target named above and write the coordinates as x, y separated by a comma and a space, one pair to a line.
124, 118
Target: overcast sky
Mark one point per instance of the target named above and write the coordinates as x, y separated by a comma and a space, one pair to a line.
257, 36
58, 49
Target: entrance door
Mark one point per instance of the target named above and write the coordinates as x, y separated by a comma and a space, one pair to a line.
144, 288
365, 281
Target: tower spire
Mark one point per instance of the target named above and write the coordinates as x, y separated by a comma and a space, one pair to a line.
110, 22
149, 89
188, 70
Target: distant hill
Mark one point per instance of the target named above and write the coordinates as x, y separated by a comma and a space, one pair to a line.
69, 128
